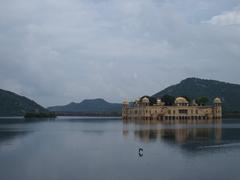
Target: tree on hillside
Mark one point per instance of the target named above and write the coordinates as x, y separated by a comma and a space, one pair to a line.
202, 100
187, 98
168, 100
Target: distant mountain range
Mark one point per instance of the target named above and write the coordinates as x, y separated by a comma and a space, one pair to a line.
190, 87
12, 104
194, 87
89, 106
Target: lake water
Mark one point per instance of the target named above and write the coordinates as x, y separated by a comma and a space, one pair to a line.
107, 149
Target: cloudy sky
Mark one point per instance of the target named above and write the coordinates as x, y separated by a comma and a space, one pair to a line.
59, 51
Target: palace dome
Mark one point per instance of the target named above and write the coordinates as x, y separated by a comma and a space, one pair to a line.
181, 100
217, 101
125, 102
145, 100
159, 101
194, 103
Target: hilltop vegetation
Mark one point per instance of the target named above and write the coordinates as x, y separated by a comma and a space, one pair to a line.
12, 104
194, 88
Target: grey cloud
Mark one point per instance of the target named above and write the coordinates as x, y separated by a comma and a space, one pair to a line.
61, 51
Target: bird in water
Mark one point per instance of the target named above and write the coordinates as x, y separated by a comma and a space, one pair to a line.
140, 152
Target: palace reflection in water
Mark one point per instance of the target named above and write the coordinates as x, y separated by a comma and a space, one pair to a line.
188, 134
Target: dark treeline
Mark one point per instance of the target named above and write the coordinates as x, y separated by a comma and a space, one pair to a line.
96, 114
40, 115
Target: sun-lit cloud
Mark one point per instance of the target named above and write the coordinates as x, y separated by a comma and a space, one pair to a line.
227, 18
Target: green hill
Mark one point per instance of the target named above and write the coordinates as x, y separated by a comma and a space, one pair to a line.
89, 106
12, 104
194, 87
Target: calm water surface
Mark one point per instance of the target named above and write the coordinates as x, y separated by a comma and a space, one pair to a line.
107, 148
